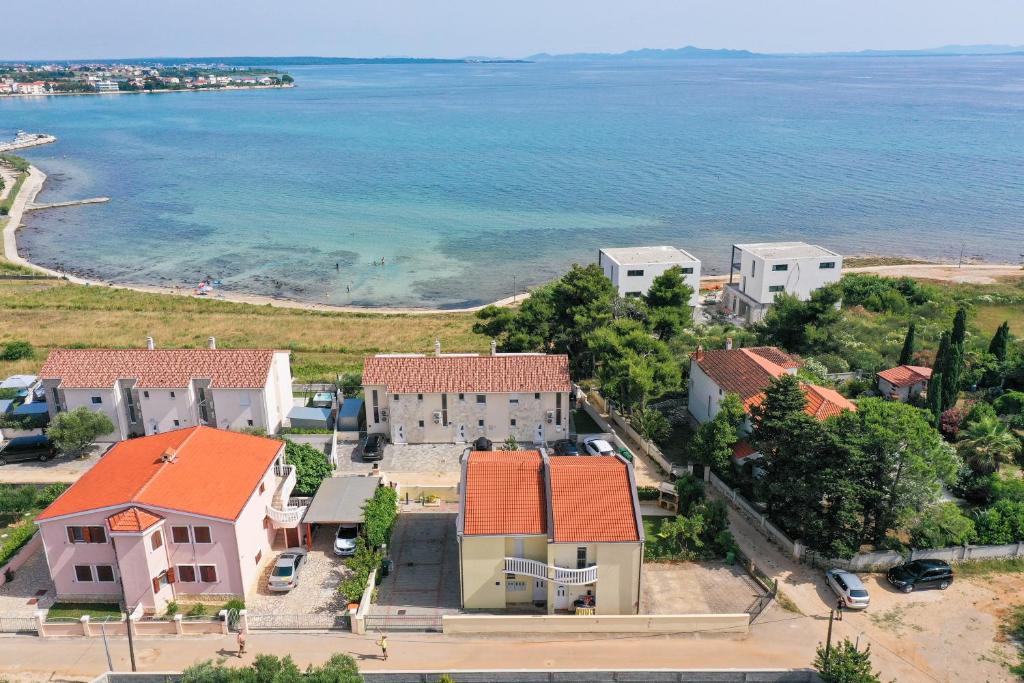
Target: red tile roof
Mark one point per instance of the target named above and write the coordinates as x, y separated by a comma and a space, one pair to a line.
742, 449
906, 375
158, 368
504, 494
592, 500
824, 403
468, 374
744, 371
213, 473
133, 519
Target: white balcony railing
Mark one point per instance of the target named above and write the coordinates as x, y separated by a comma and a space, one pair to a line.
540, 570
285, 484
287, 517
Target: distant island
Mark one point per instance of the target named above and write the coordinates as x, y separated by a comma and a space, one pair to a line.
95, 78
688, 52
692, 52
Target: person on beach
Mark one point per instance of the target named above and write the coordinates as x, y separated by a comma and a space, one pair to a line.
337, 266
241, 643
383, 643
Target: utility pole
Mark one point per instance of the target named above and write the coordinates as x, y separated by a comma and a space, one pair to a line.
131, 643
960, 264
106, 647
828, 642
515, 290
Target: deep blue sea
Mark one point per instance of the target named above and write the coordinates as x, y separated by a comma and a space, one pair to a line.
462, 177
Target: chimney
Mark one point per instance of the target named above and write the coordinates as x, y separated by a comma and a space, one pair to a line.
728, 343
168, 455
212, 342
494, 348
437, 347
699, 353
150, 344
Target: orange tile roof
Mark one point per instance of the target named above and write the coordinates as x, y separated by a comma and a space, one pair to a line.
742, 449
822, 402
132, 519
504, 494
906, 375
744, 371
469, 374
592, 500
158, 368
213, 473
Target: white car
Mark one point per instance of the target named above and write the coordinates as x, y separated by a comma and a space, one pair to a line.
848, 587
285, 574
345, 540
597, 446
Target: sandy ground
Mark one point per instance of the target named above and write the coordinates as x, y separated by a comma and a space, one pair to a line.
60, 469
696, 588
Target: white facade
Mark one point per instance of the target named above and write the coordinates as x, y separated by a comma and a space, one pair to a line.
632, 269
106, 86
703, 395
759, 272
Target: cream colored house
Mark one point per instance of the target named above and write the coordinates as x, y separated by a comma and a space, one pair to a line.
457, 398
562, 534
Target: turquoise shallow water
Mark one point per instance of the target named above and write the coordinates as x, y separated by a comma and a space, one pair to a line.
464, 176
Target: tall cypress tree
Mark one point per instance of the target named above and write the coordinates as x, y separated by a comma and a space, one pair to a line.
907, 354
1000, 342
955, 360
938, 372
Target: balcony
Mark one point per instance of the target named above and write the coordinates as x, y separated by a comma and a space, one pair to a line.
285, 484
284, 511
285, 517
541, 570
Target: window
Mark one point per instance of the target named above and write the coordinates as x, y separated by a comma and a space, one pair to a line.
776, 288
444, 410
176, 423
825, 265
581, 557
87, 534
145, 394
512, 422
245, 399
515, 586
753, 268
96, 400
249, 422
421, 423
462, 397
481, 398
201, 534
395, 397
186, 573
259, 556
83, 572
479, 423
558, 409
780, 266
513, 401
172, 394
376, 408
179, 534
687, 271
208, 573
636, 294
157, 539
419, 397
634, 273
129, 402
536, 396
104, 573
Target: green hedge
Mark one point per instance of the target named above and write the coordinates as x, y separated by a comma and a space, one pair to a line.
17, 538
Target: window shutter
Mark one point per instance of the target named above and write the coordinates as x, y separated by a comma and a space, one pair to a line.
71, 534
156, 584
171, 576
87, 534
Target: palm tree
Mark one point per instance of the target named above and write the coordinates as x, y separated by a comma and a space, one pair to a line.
986, 444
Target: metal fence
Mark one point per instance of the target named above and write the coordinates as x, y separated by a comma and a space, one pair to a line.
403, 622
297, 622
16, 623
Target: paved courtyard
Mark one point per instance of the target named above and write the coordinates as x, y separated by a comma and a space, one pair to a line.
59, 469
407, 463
697, 588
317, 592
425, 576
21, 597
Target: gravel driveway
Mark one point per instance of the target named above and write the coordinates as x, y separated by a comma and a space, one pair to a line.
317, 592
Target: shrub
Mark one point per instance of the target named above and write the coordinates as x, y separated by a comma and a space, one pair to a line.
16, 350
647, 493
339, 668
74, 432
834, 362
690, 491
1010, 403
1002, 523
172, 609
311, 466
941, 526
379, 515
197, 610
364, 561
50, 493
17, 499
234, 604
16, 539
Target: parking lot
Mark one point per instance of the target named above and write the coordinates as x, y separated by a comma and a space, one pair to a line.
59, 469
697, 588
425, 575
317, 592
30, 590
407, 463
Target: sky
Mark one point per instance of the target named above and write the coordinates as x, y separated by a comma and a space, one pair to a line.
71, 29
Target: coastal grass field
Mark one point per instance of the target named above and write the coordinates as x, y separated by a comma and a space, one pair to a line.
55, 313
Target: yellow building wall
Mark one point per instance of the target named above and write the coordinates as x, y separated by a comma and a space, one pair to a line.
483, 578
617, 590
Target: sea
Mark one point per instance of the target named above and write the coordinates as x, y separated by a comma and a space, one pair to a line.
452, 185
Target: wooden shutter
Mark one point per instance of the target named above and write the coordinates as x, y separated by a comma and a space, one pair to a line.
71, 534
171, 578
87, 534
156, 584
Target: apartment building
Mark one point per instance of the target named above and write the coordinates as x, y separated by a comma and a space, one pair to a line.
759, 272
457, 398
632, 269
149, 391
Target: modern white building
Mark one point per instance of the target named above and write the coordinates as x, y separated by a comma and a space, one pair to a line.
151, 391
106, 86
759, 272
632, 269
457, 398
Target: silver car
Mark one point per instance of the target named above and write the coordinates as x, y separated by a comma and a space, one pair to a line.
597, 446
285, 574
848, 587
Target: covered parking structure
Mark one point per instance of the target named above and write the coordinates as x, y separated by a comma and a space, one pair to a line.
339, 500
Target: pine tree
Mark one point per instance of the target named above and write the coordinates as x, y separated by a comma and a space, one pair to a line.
954, 360
935, 394
907, 354
1000, 342
783, 398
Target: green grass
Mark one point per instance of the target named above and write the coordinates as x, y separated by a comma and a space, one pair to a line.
989, 317
651, 526
76, 610
982, 568
584, 423
9, 200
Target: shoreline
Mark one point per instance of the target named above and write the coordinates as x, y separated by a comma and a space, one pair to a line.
150, 92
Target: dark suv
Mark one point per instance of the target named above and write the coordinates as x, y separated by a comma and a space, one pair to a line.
373, 447
22, 448
921, 574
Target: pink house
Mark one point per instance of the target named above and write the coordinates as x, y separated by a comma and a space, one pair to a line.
184, 513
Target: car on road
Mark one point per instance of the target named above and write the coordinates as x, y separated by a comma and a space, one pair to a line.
373, 447
848, 587
287, 568
24, 448
345, 540
565, 447
917, 574
596, 446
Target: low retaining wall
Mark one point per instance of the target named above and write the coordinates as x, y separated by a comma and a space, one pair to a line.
886, 559
535, 676
21, 557
359, 618
625, 623
416, 492
86, 628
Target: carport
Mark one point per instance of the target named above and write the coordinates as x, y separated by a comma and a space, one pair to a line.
339, 500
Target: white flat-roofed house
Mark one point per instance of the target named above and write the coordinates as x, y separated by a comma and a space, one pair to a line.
33, 88
106, 86
457, 398
151, 391
759, 272
632, 269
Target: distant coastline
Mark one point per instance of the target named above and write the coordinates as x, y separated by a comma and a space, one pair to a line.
149, 92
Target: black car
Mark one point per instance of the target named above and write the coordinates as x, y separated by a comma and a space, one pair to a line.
921, 574
565, 447
482, 444
373, 447
22, 448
